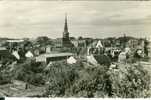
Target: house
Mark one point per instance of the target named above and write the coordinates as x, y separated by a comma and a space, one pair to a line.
29, 54
57, 42
36, 52
48, 49
47, 57
4, 53
79, 43
14, 43
96, 48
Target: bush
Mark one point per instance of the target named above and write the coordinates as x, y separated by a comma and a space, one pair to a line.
126, 81
30, 72
61, 76
129, 81
76, 81
90, 82
81, 80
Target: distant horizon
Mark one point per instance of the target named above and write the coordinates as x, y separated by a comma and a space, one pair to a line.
74, 37
96, 19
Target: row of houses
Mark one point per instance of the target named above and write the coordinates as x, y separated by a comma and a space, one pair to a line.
41, 53
56, 52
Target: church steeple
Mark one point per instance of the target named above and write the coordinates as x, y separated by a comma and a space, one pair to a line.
66, 33
66, 39
66, 24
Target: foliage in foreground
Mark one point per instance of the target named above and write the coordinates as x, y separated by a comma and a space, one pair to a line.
130, 81
126, 81
30, 72
83, 80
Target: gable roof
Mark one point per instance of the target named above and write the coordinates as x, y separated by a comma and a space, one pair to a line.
99, 44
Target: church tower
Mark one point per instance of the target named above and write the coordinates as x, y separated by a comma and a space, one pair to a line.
66, 39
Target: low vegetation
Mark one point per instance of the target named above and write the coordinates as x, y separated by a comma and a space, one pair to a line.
82, 80
128, 81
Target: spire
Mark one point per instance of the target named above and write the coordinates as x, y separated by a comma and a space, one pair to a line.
66, 24
66, 39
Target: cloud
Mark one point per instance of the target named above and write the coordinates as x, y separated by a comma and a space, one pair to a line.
33, 18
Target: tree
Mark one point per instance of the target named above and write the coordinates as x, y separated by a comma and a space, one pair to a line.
43, 40
30, 72
80, 38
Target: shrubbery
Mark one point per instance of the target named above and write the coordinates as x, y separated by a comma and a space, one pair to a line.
126, 81
30, 72
61, 76
90, 82
129, 81
82, 80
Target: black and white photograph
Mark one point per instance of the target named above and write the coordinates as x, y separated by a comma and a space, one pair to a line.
75, 49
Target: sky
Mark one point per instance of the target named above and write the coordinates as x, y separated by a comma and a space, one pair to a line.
96, 19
